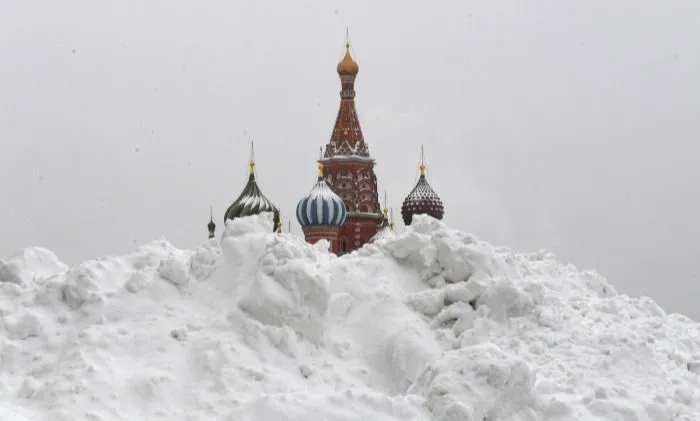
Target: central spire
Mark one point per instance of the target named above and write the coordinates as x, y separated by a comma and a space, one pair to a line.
348, 168
346, 138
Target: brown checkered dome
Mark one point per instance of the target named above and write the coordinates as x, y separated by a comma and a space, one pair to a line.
422, 199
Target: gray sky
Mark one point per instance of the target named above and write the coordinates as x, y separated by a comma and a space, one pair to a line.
568, 126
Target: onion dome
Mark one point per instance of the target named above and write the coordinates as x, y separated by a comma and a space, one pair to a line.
322, 206
422, 199
252, 201
347, 65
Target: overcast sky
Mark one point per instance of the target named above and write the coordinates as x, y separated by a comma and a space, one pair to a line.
559, 125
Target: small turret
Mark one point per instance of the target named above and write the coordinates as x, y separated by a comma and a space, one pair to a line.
386, 226
385, 221
211, 226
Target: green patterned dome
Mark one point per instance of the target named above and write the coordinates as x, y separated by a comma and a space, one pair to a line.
252, 201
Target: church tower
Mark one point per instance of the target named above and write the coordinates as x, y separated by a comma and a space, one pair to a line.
348, 167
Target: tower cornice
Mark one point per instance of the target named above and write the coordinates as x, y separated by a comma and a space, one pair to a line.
338, 159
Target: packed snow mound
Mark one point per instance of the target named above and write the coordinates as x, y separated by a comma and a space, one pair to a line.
428, 324
30, 266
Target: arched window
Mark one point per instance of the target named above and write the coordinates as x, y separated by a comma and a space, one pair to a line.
343, 245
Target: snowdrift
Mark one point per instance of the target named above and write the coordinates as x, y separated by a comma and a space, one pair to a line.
429, 324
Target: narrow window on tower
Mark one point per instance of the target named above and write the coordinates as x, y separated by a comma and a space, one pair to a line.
343, 245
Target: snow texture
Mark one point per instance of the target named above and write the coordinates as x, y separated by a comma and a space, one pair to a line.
428, 324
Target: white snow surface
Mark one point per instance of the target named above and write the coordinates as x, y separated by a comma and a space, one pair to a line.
428, 324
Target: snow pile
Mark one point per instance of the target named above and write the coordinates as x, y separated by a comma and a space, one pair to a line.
429, 324
30, 265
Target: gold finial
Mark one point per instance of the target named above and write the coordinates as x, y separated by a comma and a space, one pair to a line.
422, 161
251, 164
320, 162
386, 208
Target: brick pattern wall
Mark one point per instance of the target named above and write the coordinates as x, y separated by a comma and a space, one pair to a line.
315, 233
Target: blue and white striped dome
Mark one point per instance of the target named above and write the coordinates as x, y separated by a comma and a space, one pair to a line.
321, 207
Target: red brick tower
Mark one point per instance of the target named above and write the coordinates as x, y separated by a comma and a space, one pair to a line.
348, 167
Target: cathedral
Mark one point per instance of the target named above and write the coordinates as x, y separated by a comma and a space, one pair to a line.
343, 206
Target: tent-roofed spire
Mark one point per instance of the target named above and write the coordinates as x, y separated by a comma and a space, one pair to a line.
346, 137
